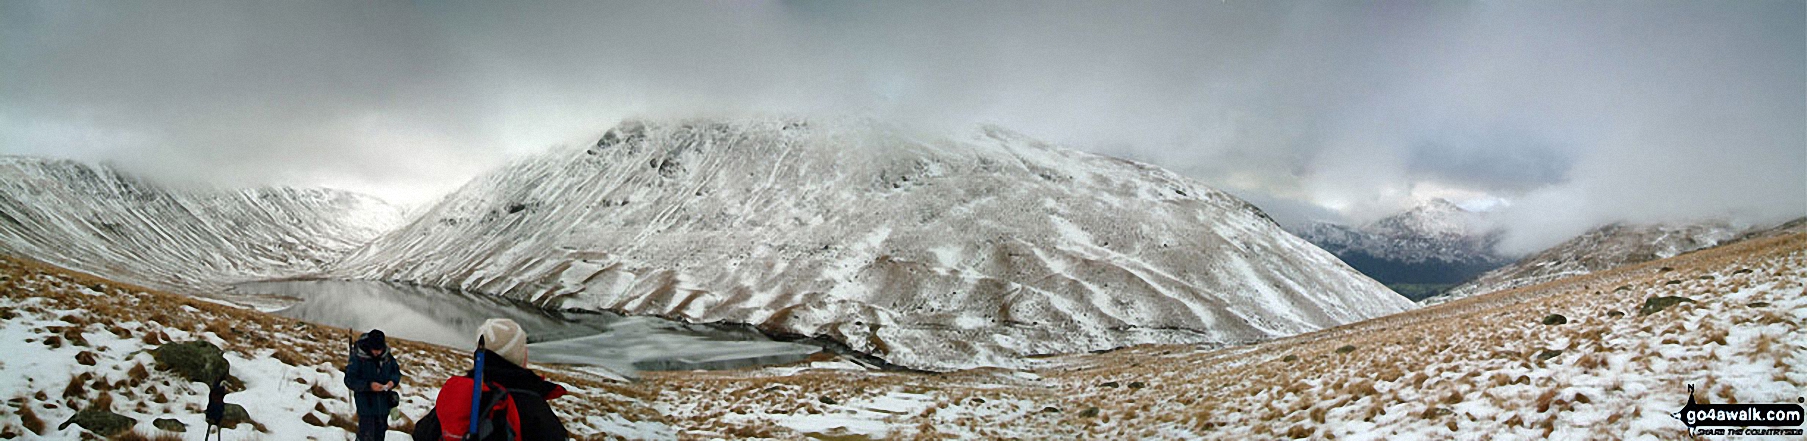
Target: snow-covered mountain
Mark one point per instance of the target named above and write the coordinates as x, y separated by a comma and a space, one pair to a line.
1600, 249
95, 219
928, 252
1436, 244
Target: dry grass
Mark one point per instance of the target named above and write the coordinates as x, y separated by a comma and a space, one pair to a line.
76, 389
29, 418
321, 392
137, 374
102, 402
343, 421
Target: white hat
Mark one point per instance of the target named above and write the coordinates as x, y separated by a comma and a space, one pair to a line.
505, 337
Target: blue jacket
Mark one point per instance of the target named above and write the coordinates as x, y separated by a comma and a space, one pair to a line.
364, 369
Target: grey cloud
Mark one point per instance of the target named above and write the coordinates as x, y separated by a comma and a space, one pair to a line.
1497, 160
1577, 113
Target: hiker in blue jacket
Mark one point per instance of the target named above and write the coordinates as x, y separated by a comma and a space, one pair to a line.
372, 376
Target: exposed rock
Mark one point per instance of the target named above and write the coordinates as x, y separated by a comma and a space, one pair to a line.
235, 415
169, 424
194, 360
1555, 319
101, 422
1655, 304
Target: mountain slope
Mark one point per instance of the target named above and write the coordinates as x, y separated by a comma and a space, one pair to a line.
1434, 244
929, 253
1480, 368
1600, 249
95, 219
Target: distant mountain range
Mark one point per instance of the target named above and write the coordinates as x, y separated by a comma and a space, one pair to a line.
1419, 252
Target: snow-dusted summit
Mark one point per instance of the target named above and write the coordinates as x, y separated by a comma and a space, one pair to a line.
1436, 243
97, 220
928, 252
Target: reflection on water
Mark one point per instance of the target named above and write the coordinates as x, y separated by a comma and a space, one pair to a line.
451, 318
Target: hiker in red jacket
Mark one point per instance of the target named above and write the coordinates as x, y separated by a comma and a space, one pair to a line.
513, 398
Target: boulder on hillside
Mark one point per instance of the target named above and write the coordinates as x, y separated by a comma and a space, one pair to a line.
194, 360
169, 424
101, 422
1656, 304
235, 415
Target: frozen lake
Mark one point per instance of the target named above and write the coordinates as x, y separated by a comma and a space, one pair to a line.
450, 318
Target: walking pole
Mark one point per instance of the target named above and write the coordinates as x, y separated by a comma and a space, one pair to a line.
476, 391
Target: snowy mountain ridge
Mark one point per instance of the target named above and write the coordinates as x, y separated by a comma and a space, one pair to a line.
96, 219
1435, 243
1600, 249
1436, 230
929, 252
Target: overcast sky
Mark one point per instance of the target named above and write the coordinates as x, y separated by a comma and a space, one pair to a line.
1560, 115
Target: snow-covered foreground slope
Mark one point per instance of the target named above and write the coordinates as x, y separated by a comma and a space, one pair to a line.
1485, 367
95, 219
927, 252
74, 343
1600, 249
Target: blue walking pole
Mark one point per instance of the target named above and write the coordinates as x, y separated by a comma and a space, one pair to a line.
476, 391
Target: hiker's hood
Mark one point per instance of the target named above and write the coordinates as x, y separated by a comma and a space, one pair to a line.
499, 370
361, 352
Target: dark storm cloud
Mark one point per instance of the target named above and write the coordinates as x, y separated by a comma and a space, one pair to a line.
1497, 160
1575, 113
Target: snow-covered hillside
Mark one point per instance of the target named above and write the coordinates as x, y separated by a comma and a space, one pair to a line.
1602, 248
1435, 243
928, 252
95, 219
